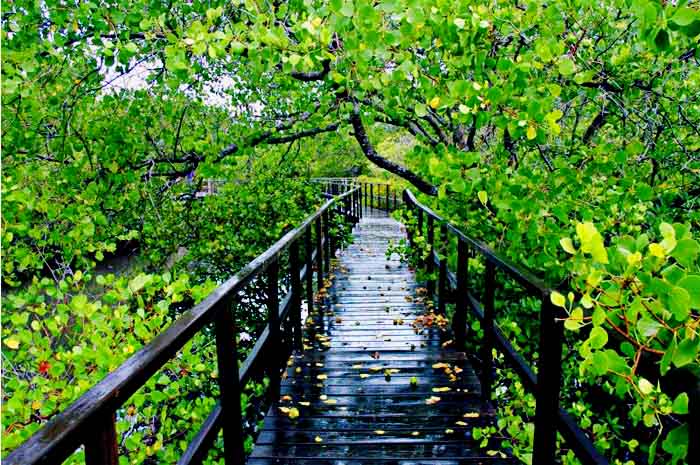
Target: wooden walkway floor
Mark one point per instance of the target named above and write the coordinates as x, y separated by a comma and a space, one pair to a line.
378, 381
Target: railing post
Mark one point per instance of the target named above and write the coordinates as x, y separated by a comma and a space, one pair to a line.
295, 311
319, 254
308, 252
420, 221
347, 207
406, 199
387, 197
487, 327
548, 383
442, 274
371, 195
273, 318
327, 244
430, 261
101, 444
229, 385
459, 320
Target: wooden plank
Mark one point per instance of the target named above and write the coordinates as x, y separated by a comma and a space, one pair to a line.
339, 385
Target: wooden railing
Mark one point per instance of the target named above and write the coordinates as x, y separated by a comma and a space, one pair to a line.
549, 417
374, 194
91, 420
453, 287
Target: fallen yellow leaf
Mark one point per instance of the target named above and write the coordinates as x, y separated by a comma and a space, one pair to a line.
442, 389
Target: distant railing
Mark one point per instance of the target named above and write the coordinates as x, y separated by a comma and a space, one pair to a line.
374, 194
546, 384
91, 420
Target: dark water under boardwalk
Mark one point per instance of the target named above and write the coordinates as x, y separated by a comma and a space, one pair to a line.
369, 387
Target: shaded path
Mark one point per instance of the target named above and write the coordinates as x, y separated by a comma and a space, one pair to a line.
373, 384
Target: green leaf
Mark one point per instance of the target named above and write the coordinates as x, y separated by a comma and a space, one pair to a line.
676, 443
132, 48
679, 303
566, 67
680, 404
686, 352
483, 197
691, 284
421, 110
648, 327
139, 282
575, 320
645, 387
686, 252
557, 299
684, 16
568, 245
598, 337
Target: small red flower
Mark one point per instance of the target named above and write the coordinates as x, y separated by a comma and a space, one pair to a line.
44, 367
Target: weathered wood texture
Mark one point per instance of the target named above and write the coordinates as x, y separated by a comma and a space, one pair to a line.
365, 386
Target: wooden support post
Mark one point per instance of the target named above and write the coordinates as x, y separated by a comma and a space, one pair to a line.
409, 207
101, 442
308, 254
273, 318
319, 253
548, 382
459, 321
295, 311
371, 195
327, 244
387, 198
442, 273
487, 326
430, 260
420, 222
229, 385
359, 203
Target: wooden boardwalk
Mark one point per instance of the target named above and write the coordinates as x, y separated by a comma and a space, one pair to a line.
379, 381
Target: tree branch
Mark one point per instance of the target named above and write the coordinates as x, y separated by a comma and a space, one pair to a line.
314, 75
372, 155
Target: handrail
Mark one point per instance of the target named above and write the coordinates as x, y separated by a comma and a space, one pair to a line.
524, 277
388, 200
549, 417
90, 420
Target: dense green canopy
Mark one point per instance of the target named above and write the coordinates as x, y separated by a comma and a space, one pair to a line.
564, 133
